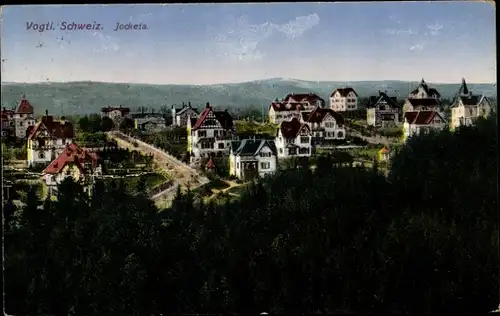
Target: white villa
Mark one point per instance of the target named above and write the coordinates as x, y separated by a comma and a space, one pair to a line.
280, 112
211, 134
115, 113
424, 92
250, 158
468, 107
344, 99
293, 139
15, 122
181, 116
325, 125
294, 105
47, 139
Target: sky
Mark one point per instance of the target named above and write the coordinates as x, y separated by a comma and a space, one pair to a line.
228, 43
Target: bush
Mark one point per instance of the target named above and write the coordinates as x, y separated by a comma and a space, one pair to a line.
395, 132
20, 153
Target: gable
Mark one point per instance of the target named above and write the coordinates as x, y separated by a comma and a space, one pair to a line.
305, 130
328, 118
42, 131
211, 122
351, 95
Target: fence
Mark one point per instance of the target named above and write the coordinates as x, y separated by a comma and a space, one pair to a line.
160, 188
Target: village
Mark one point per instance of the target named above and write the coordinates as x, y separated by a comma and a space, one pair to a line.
210, 152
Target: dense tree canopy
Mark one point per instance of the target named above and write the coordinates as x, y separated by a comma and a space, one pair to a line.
336, 239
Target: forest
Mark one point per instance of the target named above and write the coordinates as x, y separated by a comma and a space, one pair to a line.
339, 239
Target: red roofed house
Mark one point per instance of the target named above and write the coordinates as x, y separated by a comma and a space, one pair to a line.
293, 139
344, 99
417, 122
115, 113
210, 134
74, 162
326, 124
16, 121
47, 139
282, 111
294, 105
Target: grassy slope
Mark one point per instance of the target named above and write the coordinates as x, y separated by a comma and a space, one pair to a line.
89, 97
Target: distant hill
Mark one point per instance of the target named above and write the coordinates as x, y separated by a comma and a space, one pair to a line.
88, 97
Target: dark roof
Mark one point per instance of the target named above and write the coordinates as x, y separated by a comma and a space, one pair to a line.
251, 147
57, 129
319, 114
224, 118
24, 107
471, 100
344, 91
391, 101
290, 129
287, 106
184, 109
120, 108
303, 97
429, 102
421, 117
463, 90
429, 91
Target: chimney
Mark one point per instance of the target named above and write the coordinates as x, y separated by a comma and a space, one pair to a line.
208, 105
120, 106
46, 112
189, 104
23, 96
142, 110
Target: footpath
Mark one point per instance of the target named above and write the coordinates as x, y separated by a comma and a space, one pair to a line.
179, 173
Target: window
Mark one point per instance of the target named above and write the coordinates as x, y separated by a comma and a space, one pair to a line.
304, 151
340, 134
292, 151
238, 165
265, 154
202, 133
304, 139
41, 154
20, 123
265, 165
216, 133
221, 146
206, 145
281, 150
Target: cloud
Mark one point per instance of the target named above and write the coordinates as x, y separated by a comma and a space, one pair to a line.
107, 43
435, 29
394, 19
299, 26
408, 31
417, 47
241, 41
